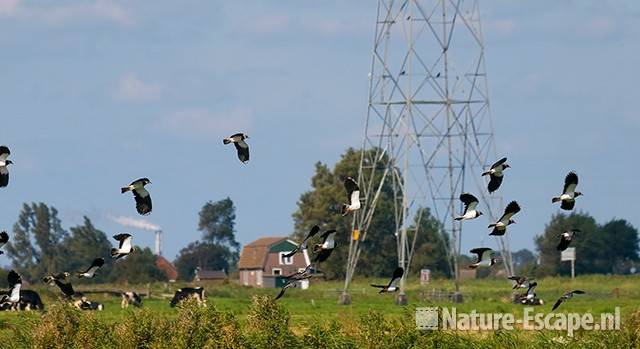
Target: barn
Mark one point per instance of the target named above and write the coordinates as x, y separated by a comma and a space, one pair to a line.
262, 262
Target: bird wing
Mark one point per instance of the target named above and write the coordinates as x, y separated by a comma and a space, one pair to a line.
397, 274
236, 137
511, 209
143, 201
314, 230
65, 288
498, 163
494, 183
328, 239
570, 183
284, 288
4, 238
470, 202
98, 262
558, 302
125, 244
322, 255
578, 292
567, 205
4, 176
564, 243
243, 150
481, 251
379, 286
4, 153
351, 186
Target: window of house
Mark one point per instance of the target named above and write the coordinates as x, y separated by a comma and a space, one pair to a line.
285, 260
276, 271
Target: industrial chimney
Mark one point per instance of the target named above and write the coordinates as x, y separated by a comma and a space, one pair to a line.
158, 242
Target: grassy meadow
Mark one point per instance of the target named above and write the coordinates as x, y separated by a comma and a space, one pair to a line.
243, 317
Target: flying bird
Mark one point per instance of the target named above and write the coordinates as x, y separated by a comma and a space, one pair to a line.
531, 293
125, 246
60, 281
566, 237
242, 147
15, 284
391, 286
495, 174
484, 258
566, 296
287, 285
520, 281
91, 271
4, 238
470, 203
4, 171
323, 250
304, 274
314, 230
500, 227
569, 193
353, 195
143, 199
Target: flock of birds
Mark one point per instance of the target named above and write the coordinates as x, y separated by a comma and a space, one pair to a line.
323, 250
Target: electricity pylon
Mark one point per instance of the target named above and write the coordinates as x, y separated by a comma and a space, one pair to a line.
428, 123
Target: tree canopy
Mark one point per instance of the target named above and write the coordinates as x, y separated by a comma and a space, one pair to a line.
608, 248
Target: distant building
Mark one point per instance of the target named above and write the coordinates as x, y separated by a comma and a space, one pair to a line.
209, 275
167, 268
262, 262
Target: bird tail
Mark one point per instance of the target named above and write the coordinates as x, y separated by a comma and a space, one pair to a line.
114, 252
345, 209
486, 173
226, 141
491, 225
124, 189
459, 218
555, 199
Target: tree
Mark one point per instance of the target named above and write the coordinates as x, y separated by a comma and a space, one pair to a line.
599, 249
138, 267
524, 262
321, 206
204, 255
85, 244
218, 248
431, 245
36, 248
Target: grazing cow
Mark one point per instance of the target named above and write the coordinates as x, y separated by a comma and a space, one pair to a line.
130, 298
189, 292
84, 304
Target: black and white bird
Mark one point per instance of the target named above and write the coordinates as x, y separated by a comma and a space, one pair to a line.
495, 174
306, 273
287, 285
484, 258
15, 284
323, 250
125, 246
470, 203
143, 199
531, 293
353, 195
500, 227
569, 193
4, 238
303, 245
520, 281
4, 171
242, 147
91, 271
392, 285
566, 296
60, 280
566, 237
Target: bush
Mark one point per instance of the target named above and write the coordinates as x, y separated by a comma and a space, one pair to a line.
204, 327
268, 323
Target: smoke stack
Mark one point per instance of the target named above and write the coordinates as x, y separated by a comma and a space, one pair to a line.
158, 242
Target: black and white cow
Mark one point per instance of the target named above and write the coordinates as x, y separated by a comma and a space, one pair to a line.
189, 292
29, 300
130, 298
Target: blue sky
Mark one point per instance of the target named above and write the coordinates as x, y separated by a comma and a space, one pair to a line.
98, 93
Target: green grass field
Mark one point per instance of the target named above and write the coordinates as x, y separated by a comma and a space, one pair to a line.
317, 307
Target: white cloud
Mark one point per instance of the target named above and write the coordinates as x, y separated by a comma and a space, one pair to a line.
131, 88
80, 11
8, 7
205, 123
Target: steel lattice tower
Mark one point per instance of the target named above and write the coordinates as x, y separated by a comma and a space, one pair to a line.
428, 124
